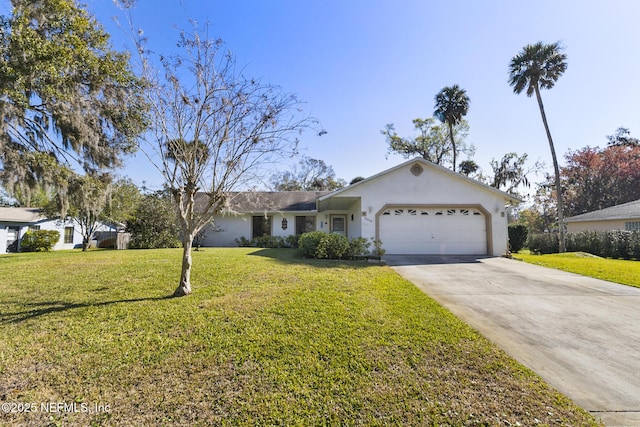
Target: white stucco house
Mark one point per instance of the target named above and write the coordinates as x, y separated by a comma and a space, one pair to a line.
620, 217
15, 222
416, 207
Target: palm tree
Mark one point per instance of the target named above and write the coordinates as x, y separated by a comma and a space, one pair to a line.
452, 104
539, 66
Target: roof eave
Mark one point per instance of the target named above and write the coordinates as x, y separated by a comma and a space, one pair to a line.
507, 196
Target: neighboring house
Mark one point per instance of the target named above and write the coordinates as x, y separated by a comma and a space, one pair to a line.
15, 222
621, 217
417, 207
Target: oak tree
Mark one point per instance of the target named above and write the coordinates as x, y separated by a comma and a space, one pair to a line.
595, 178
432, 142
67, 99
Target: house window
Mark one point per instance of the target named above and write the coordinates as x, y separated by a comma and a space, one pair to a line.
34, 228
398, 212
411, 211
387, 212
451, 211
305, 224
632, 226
261, 226
68, 234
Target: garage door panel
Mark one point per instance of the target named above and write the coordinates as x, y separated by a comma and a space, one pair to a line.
433, 231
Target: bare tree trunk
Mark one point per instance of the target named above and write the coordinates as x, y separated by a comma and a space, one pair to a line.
556, 170
185, 276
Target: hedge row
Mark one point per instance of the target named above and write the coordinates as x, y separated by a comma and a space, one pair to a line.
609, 244
269, 242
318, 244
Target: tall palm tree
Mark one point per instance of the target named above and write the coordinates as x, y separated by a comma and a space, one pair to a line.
539, 66
452, 104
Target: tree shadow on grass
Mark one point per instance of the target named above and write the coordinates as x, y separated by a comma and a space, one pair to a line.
48, 307
292, 256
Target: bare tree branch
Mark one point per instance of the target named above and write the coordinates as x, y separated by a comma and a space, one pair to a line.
214, 130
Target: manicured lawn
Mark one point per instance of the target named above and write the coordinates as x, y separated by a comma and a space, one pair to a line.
613, 270
266, 339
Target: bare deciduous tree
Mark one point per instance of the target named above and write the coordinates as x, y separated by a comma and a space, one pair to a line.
214, 131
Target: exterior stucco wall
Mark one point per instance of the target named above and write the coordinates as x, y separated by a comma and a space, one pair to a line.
602, 225
3, 238
362, 203
227, 228
44, 225
353, 216
60, 226
430, 187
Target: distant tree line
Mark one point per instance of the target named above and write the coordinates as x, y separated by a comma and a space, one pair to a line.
592, 178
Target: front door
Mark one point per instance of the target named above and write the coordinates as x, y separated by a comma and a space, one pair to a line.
339, 224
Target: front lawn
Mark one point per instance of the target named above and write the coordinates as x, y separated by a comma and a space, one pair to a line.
265, 339
614, 270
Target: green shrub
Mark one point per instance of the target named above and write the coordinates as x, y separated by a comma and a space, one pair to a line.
378, 251
584, 241
267, 241
608, 244
634, 245
318, 244
358, 248
308, 243
39, 240
543, 243
517, 237
332, 246
243, 242
154, 224
291, 241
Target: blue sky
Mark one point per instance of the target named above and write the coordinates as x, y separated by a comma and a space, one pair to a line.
359, 65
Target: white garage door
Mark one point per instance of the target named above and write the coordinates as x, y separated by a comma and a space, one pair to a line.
456, 230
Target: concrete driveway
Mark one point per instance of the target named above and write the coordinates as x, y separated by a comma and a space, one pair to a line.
581, 335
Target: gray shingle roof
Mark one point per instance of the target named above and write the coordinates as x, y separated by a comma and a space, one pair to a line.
24, 215
629, 210
280, 201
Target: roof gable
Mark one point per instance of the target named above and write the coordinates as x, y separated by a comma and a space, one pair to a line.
425, 164
629, 210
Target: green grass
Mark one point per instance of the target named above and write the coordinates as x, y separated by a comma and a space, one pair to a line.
265, 339
614, 270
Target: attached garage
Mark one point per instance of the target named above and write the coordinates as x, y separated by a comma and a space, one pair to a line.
451, 230
416, 207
